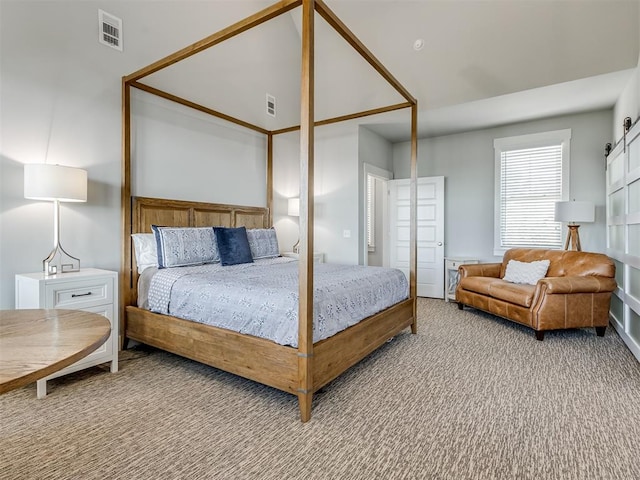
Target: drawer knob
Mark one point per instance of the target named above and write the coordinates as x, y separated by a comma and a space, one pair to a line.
74, 295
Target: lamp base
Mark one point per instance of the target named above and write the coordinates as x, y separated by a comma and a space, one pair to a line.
60, 261
296, 247
574, 237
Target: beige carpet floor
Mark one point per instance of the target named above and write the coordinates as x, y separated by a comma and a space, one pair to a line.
470, 397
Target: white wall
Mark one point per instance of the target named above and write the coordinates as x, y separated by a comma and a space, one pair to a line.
336, 190
61, 102
286, 178
466, 161
184, 154
628, 104
340, 152
377, 151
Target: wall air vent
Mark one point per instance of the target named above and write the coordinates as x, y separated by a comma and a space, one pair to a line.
109, 30
271, 105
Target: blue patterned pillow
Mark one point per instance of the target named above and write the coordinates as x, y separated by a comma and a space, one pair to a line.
233, 245
263, 243
182, 246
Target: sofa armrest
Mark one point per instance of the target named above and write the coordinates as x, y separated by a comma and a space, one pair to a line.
480, 270
577, 284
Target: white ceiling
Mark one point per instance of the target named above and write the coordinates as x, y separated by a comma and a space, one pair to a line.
485, 63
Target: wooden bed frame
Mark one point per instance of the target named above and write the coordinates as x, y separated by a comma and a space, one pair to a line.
303, 370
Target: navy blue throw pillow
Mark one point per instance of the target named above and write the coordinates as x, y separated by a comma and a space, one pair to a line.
233, 245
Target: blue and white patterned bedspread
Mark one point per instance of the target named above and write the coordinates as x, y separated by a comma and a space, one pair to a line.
261, 298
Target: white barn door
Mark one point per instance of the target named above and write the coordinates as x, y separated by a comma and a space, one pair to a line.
430, 230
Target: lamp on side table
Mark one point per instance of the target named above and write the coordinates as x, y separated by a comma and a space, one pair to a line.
57, 184
293, 210
574, 213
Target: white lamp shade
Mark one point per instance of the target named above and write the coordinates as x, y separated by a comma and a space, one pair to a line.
55, 182
574, 212
294, 207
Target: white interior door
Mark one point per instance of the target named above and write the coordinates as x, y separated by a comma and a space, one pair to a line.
430, 230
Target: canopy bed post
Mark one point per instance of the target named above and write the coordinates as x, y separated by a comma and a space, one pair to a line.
125, 200
270, 176
305, 308
413, 260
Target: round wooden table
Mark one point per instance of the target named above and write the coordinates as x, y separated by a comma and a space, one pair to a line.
37, 343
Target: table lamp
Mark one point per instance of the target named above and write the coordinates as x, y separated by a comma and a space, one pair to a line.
293, 210
574, 212
56, 183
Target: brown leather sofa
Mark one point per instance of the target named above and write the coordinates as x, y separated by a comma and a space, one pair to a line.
575, 293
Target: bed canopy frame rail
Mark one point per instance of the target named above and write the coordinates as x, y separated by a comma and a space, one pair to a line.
394, 320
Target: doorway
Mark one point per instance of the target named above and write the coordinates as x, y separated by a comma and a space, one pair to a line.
430, 232
376, 215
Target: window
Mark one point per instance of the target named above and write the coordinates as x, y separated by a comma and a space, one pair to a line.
371, 213
532, 173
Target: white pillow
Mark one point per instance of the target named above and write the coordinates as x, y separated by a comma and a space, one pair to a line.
526, 272
146, 250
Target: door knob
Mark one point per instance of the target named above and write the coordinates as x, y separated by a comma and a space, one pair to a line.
439, 244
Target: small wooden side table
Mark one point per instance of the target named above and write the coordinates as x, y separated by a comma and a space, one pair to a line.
38, 342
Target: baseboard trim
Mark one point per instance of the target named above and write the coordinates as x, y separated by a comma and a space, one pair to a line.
630, 342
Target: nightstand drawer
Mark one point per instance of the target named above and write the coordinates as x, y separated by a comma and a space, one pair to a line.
80, 294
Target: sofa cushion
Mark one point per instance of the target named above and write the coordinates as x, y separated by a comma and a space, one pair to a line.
586, 264
480, 285
519, 294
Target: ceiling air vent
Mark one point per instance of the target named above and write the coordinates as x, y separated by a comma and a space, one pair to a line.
271, 105
109, 30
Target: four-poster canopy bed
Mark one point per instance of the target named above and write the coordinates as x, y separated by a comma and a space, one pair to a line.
300, 370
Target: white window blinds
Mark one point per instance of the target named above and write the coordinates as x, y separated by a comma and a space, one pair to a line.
530, 184
371, 214
532, 173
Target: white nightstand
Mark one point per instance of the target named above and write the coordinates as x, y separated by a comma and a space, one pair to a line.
317, 256
451, 275
89, 289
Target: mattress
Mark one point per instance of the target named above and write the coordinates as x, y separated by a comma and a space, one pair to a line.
261, 298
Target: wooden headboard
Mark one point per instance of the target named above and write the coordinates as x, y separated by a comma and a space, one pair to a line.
180, 213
